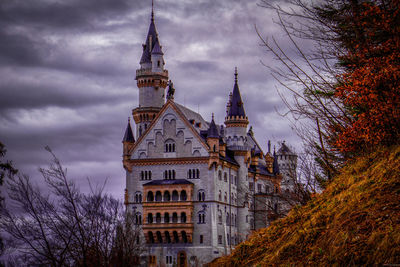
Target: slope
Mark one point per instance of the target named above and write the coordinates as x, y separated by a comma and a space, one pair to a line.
355, 221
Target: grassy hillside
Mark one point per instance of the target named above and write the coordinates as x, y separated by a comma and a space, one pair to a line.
355, 221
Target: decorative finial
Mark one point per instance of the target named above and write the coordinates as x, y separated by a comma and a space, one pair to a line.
152, 10
236, 75
269, 146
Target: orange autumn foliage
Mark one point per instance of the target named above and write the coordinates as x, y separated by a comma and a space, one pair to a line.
370, 86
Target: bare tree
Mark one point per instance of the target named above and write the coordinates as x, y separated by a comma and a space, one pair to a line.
64, 227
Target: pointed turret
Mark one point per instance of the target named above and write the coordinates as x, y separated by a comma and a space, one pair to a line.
212, 130
236, 120
128, 137
213, 142
236, 107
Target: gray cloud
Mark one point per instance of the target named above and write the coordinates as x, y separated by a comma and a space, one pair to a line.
67, 75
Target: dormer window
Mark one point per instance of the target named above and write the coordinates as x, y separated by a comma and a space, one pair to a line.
169, 146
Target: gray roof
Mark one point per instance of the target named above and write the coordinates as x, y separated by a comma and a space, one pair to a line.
236, 107
128, 137
168, 182
284, 149
213, 130
146, 56
191, 115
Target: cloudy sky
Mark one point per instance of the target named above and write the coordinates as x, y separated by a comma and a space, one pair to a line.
67, 72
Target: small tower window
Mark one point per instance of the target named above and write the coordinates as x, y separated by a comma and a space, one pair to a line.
158, 63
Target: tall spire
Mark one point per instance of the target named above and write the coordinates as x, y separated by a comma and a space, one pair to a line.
236, 104
151, 40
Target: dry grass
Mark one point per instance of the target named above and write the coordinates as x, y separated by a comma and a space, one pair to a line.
355, 221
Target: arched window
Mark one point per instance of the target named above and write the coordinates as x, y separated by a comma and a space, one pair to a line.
190, 174
158, 196
169, 175
219, 195
145, 175
166, 217
201, 217
173, 174
228, 219
175, 195
158, 217
138, 197
220, 216
142, 175
183, 217
150, 196
197, 173
176, 237
150, 218
225, 177
167, 196
174, 217
138, 218
169, 146
201, 195
159, 237
219, 175
167, 238
151, 237
183, 195
226, 197
184, 237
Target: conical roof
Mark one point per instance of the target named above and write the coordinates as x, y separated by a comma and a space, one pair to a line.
236, 107
128, 137
157, 49
153, 36
212, 131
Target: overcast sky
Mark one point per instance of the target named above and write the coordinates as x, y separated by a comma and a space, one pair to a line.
67, 72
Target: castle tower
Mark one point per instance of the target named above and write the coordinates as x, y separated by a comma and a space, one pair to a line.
152, 80
236, 120
287, 161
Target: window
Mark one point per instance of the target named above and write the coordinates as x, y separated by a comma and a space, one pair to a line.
220, 239
168, 259
158, 63
138, 197
169, 146
183, 195
259, 188
145, 175
227, 239
152, 259
202, 217
219, 195
183, 217
220, 175
201, 195
225, 177
235, 180
219, 217
150, 218
251, 186
226, 197
194, 174
169, 175
138, 218
201, 239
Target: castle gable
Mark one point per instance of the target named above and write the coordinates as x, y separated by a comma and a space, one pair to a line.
170, 135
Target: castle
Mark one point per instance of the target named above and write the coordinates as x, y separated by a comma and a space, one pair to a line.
196, 188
